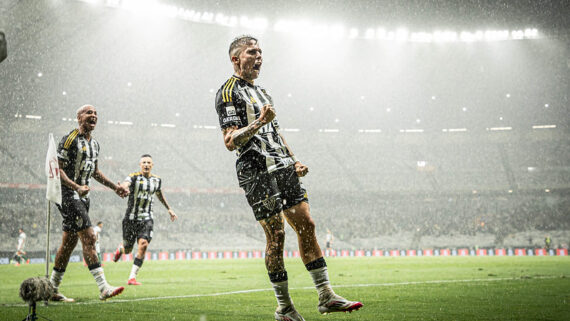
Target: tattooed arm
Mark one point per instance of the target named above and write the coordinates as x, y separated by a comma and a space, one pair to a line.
235, 138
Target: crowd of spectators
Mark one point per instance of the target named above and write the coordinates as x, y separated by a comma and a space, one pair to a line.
224, 222
369, 191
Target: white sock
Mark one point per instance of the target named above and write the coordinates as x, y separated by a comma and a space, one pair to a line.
321, 280
56, 278
134, 271
282, 294
99, 277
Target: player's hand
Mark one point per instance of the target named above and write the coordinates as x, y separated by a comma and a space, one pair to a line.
173, 216
266, 114
301, 169
82, 190
121, 190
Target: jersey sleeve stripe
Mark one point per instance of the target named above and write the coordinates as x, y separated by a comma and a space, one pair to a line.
70, 139
224, 90
227, 91
232, 88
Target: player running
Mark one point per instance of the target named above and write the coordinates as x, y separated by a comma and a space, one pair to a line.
138, 221
77, 154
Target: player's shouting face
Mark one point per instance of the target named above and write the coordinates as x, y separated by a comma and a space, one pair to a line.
249, 61
87, 118
146, 165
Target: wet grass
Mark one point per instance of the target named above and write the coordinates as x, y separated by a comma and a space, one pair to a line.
436, 288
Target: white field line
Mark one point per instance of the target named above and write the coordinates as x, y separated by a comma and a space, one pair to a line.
302, 288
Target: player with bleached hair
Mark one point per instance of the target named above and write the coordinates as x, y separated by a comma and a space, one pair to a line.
78, 154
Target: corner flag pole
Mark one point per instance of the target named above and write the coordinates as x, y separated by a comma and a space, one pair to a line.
53, 189
47, 237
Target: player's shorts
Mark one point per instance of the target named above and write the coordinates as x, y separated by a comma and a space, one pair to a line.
328, 245
270, 193
134, 230
75, 213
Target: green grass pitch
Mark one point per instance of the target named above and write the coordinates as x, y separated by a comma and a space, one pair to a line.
395, 288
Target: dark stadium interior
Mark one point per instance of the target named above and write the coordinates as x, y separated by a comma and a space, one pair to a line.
409, 145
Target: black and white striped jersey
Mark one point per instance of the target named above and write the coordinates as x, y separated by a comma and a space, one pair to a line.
142, 190
79, 157
238, 103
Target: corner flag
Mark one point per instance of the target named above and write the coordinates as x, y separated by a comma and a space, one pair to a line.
53, 190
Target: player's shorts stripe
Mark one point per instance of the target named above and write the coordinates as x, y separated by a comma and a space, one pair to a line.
70, 139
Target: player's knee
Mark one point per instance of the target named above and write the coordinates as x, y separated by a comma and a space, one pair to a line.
308, 227
128, 250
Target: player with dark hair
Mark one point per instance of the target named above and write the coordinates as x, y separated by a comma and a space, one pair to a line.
138, 222
77, 154
270, 174
329, 238
20, 255
97, 231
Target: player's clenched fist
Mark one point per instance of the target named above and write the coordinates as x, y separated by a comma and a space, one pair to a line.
82, 190
266, 114
121, 190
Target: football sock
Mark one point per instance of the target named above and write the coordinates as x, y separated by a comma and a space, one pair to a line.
99, 276
135, 269
319, 273
281, 288
56, 277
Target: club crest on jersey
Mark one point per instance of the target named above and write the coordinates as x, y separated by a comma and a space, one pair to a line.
270, 203
84, 148
230, 111
253, 101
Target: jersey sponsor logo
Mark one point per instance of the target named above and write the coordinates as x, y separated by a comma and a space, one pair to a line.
87, 165
229, 119
144, 195
231, 111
